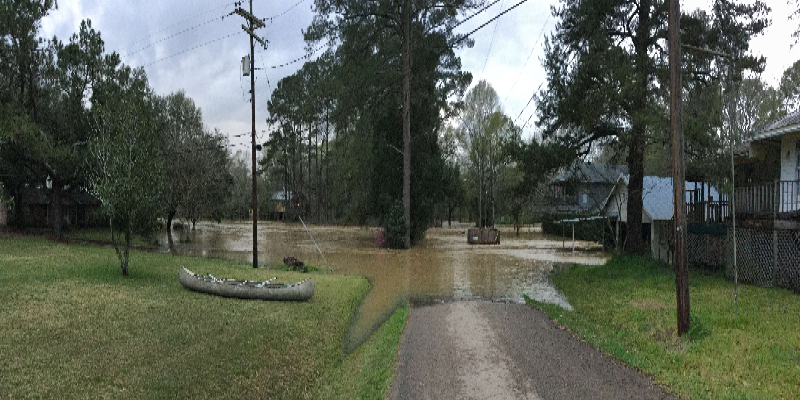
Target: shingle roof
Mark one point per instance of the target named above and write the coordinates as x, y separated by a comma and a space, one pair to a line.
657, 196
786, 124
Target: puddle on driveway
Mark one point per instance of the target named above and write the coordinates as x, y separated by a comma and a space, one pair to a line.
442, 267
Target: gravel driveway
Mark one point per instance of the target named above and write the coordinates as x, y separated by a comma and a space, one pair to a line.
484, 350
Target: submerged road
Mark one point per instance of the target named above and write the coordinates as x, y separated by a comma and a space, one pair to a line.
483, 350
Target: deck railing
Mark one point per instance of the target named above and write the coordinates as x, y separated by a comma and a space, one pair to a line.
711, 211
771, 198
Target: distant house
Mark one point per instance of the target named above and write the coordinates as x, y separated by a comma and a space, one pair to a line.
78, 208
582, 188
657, 213
276, 210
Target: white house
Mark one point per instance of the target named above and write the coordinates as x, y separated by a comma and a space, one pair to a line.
658, 209
772, 164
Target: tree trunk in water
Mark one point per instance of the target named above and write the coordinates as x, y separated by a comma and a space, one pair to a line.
407, 121
170, 216
449, 216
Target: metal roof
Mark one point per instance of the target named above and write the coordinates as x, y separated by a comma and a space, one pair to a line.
657, 196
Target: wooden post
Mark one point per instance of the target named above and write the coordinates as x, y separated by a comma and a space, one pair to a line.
573, 237
253, 144
678, 179
776, 196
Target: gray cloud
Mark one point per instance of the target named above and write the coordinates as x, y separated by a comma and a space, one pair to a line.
211, 74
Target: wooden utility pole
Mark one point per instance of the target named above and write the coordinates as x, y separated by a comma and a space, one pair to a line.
406, 70
253, 23
678, 174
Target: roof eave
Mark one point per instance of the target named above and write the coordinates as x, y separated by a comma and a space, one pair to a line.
775, 132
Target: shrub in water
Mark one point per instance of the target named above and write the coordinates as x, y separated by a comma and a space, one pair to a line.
394, 227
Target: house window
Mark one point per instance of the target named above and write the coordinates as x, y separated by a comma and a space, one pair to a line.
584, 198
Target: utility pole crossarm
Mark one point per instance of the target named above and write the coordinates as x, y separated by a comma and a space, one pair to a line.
255, 37
255, 22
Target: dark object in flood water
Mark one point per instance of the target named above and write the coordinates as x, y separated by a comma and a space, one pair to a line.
295, 264
483, 236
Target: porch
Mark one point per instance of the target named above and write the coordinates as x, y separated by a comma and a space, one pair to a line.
777, 200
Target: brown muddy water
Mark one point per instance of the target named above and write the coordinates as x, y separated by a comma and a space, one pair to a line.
442, 267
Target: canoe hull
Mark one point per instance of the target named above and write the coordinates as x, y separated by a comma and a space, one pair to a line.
299, 291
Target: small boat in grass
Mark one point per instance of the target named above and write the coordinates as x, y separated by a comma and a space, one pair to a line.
266, 290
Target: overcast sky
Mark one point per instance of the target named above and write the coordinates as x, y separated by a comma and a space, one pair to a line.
170, 38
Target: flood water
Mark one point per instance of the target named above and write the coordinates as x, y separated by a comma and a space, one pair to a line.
442, 267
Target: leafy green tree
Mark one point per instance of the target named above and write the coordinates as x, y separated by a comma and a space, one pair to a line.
790, 87
21, 56
68, 79
23, 64
128, 172
195, 160
239, 200
386, 51
606, 66
484, 136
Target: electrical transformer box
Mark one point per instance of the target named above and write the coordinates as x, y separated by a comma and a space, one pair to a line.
246, 65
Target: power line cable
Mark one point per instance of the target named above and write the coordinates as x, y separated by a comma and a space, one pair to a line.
485, 23
194, 48
529, 57
471, 16
283, 12
181, 22
572, 56
311, 53
491, 42
261, 52
220, 18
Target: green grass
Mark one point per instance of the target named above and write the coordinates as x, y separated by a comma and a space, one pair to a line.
103, 235
71, 327
626, 308
369, 371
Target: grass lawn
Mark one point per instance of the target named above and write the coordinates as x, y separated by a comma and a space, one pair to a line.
72, 327
103, 235
626, 308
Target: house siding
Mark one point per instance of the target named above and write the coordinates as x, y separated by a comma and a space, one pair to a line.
661, 241
789, 156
